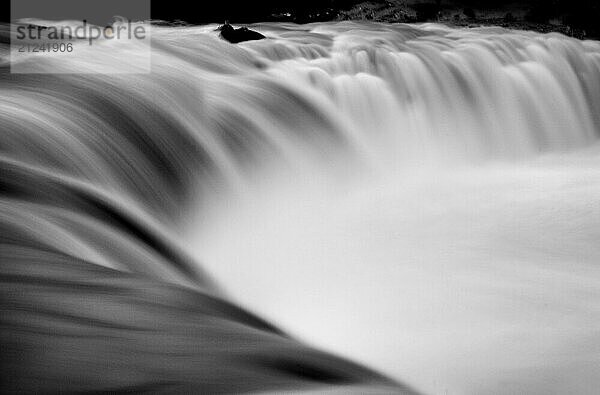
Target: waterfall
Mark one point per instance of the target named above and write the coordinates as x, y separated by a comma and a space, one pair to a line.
417, 198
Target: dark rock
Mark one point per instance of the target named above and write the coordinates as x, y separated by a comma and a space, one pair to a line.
239, 35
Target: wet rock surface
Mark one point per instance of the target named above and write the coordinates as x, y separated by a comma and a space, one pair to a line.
239, 35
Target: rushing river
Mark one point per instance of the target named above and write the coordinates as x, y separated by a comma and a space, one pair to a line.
419, 199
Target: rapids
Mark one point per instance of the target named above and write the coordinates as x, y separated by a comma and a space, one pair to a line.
416, 198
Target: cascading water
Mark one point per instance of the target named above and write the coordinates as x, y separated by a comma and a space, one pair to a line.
420, 199
445, 235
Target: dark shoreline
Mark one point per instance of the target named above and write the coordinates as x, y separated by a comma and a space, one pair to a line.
575, 18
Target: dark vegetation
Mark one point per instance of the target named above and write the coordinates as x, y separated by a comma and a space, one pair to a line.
579, 18
575, 17
300, 11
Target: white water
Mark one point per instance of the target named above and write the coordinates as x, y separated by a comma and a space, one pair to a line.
454, 245
417, 198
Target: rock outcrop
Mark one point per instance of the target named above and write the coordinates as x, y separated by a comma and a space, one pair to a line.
239, 35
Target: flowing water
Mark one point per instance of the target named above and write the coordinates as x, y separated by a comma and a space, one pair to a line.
419, 199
